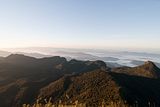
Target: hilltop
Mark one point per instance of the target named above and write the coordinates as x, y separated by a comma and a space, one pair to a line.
23, 79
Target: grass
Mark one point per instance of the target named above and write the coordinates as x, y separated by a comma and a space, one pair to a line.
50, 104
77, 104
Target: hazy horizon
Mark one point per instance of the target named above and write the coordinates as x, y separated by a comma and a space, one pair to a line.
115, 25
32, 49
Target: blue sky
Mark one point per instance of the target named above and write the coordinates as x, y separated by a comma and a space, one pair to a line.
115, 24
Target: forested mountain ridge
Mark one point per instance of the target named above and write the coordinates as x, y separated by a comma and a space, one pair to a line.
23, 79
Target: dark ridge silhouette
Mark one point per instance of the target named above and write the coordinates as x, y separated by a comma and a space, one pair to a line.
23, 79
137, 89
27, 75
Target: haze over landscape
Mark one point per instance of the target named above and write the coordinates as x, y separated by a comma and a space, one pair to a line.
81, 53
118, 24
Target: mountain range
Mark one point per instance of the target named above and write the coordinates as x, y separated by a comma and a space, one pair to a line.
112, 59
23, 79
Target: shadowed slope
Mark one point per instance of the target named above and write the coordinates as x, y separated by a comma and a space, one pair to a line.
94, 87
90, 88
21, 77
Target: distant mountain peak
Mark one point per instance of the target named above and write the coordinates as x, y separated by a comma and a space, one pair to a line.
148, 69
18, 56
150, 63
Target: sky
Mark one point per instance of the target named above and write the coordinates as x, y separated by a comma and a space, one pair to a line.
98, 24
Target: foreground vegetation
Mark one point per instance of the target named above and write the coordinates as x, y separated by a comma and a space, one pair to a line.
50, 104
76, 104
